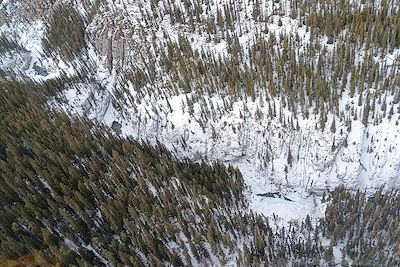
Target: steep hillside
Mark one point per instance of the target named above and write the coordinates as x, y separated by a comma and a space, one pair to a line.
160, 132
74, 194
309, 100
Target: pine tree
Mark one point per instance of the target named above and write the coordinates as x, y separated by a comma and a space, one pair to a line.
366, 111
289, 158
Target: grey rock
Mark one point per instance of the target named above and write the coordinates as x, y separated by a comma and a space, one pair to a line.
116, 126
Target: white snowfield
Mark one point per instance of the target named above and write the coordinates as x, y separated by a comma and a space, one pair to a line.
243, 134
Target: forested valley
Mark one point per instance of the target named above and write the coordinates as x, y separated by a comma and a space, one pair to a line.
199, 133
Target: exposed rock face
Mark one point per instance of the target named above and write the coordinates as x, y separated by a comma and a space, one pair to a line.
36, 9
112, 41
27, 10
27, 62
2, 17
116, 126
113, 35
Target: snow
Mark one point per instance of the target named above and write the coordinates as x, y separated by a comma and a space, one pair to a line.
258, 146
91, 248
316, 167
287, 211
29, 36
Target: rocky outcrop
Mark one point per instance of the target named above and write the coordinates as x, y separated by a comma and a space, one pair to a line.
111, 42
2, 17
26, 10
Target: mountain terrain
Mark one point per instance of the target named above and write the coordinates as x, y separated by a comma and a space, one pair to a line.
285, 109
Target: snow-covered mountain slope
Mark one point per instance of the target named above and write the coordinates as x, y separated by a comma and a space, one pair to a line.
277, 145
370, 158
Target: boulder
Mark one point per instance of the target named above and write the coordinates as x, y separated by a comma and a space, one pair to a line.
116, 126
